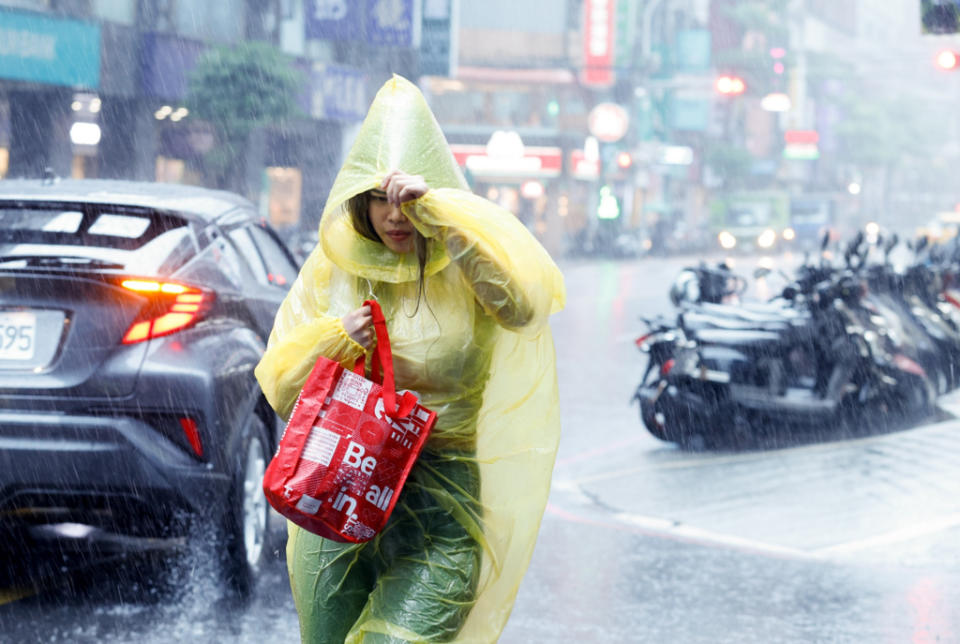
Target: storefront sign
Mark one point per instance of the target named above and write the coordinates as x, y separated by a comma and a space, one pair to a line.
582, 167
339, 93
48, 50
801, 145
393, 23
801, 151
165, 65
389, 23
536, 162
333, 19
801, 137
689, 110
598, 37
675, 155
693, 51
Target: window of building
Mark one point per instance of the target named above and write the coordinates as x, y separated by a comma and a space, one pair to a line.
123, 12
220, 21
36, 5
284, 189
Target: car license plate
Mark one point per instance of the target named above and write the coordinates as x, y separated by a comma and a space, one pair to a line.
18, 331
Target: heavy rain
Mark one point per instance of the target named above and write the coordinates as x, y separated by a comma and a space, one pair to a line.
755, 210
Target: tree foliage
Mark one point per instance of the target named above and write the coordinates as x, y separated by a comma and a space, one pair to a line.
237, 90
731, 163
763, 24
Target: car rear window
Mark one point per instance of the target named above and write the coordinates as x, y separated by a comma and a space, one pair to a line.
105, 226
141, 240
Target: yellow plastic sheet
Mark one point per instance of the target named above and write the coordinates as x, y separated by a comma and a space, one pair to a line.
479, 352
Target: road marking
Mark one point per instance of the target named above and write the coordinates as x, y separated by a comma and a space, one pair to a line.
692, 534
742, 457
910, 533
680, 532
582, 456
666, 529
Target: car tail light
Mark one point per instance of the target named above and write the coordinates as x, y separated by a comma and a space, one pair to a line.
171, 307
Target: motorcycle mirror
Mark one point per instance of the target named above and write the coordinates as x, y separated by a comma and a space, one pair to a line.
825, 240
892, 242
857, 240
761, 271
922, 243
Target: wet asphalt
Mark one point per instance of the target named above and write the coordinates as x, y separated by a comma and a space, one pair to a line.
825, 539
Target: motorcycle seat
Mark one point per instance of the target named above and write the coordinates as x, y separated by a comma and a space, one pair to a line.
695, 321
757, 311
737, 337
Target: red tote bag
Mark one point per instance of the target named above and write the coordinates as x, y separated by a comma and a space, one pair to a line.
348, 447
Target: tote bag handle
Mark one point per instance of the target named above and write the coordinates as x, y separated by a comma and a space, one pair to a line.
383, 359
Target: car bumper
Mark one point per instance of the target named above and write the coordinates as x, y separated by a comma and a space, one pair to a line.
116, 473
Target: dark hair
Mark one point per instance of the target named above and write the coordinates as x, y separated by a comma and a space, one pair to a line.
358, 206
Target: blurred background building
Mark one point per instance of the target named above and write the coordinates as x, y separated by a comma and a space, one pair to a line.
609, 127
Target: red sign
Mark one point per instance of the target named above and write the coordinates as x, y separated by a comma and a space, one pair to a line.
535, 162
598, 37
583, 168
801, 137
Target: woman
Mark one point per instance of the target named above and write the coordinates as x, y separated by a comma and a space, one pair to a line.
466, 291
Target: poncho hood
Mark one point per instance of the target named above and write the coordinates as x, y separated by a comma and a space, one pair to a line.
399, 133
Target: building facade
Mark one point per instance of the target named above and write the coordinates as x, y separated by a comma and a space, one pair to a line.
98, 88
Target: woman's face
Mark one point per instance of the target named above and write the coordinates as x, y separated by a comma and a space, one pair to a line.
390, 224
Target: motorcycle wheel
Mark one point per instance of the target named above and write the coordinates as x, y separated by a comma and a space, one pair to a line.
655, 421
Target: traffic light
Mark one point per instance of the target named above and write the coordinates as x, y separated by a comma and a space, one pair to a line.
778, 54
609, 206
730, 85
948, 60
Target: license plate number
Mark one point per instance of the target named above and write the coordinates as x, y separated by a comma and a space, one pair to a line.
18, 333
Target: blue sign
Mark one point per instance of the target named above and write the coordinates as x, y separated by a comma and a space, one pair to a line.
393, 23
693, 50
334, 19
388, 23
165, 65
689, 113
47, 50
339, 93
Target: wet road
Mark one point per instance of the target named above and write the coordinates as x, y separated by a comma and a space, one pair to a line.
845, 541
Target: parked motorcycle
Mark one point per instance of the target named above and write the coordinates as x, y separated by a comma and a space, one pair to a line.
817, 357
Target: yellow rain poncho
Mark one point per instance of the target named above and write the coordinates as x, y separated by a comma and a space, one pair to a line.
477, 349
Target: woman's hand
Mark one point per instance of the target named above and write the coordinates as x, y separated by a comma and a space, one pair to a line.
359, 326
401, 187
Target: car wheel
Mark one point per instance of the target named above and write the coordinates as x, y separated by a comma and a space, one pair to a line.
246, 523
